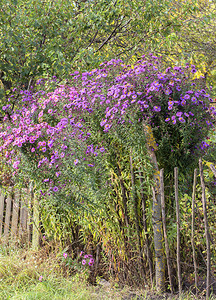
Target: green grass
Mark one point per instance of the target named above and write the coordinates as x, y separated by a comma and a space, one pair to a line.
19, 279
20, 271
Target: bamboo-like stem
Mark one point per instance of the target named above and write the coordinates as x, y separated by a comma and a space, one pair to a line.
208, 275
124, 197
178, 229
212, 167
164, 229
135, 201
192, 230
148, 249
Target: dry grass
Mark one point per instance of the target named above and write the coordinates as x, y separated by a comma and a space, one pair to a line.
20, 270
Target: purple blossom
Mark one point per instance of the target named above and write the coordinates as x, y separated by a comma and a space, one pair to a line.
91, 262
157, 108
55, 189
76, 162
182, 120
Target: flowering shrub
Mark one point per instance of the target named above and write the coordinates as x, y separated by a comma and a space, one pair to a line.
60, 136
81, 263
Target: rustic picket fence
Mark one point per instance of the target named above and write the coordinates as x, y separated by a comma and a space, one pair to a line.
19, 219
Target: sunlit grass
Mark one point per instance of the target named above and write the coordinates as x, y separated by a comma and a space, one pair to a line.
21, 271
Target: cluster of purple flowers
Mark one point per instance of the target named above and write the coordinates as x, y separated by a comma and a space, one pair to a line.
86, 258
56, 127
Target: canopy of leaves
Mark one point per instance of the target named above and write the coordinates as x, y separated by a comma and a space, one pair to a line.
52, 37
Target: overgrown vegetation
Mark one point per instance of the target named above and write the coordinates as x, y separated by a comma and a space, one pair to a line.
82, 129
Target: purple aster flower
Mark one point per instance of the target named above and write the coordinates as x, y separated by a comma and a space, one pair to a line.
186, 97
91, 262
76, 161
194, 99
168, 91
50, 143
167, 119
182, 120
157, 108
107, 127
179, 114
79, 125
40, 114
65, 255
102, 149
83, 262
103, 122
55, 189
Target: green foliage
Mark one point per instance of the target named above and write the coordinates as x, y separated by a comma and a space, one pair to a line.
54, 37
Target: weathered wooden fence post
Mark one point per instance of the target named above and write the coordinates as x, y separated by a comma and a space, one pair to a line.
7, 215
1, 211
192, 230
208, 275
164, 230
178, 229
15, 214
36, 221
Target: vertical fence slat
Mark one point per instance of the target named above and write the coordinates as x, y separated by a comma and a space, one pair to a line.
36, 223
23, 216
1, 211
208, 275
192, 231
15, 213
178, 229
164, 229
8, 215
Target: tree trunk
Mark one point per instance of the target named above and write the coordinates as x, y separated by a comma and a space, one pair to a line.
156, 212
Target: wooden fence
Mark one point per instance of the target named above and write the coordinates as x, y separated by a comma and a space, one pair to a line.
19, 220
